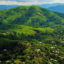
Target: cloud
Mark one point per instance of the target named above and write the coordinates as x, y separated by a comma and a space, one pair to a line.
18, 3
28, 2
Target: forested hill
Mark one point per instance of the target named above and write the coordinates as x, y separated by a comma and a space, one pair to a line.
31, 16
31, 35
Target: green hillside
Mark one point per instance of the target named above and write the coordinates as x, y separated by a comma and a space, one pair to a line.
31, 16
21, 44
31, 35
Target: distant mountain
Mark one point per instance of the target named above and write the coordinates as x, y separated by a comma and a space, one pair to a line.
57, 8
2, 7
31, 16
48, 5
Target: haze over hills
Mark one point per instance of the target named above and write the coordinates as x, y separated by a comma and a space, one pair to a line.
57, 8
3, 7
49, 5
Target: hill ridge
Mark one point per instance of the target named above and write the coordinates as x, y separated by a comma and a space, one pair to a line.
31, 16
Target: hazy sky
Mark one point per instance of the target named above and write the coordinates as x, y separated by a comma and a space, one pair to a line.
29, 2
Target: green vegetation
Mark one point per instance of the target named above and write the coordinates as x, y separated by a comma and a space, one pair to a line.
31, 16
31, 35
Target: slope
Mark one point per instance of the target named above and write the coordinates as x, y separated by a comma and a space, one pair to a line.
22, 43
31, 16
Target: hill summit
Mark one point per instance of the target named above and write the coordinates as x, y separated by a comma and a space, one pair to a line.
31, 16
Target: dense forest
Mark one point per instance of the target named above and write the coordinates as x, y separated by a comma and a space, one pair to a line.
31, 35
